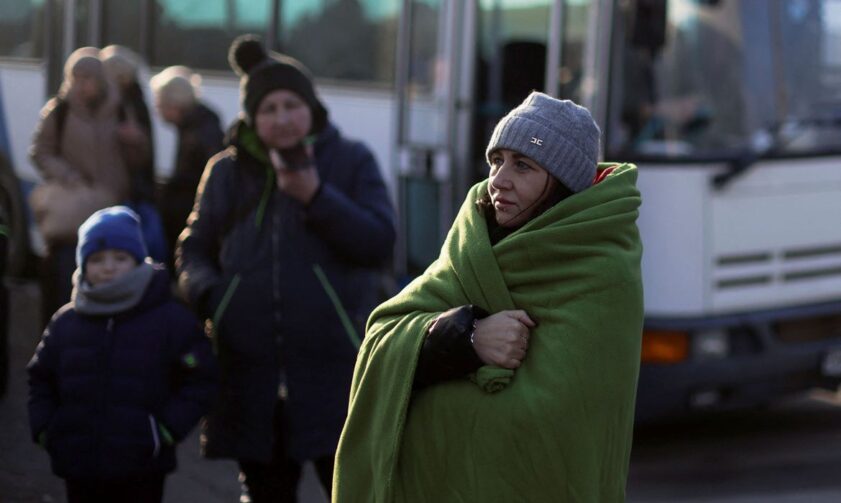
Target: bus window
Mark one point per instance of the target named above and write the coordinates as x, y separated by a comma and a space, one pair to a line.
20, 28
200, 31
575, 36
511, 62
121, 24
731, 78
512, 52
809, 109
343, 39
688, 95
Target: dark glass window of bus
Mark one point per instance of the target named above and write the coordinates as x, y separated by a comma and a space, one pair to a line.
341, 39
197, 33
727, 80
121, 24
20, 28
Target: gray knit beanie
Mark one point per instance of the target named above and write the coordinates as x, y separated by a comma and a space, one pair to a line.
560, 135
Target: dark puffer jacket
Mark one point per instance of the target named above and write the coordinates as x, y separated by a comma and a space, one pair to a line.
101, 387
262, 264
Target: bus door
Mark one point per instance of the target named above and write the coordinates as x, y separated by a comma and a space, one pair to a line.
462, 65
523, 46
433, 84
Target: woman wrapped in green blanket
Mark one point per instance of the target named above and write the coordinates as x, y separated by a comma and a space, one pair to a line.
507, 371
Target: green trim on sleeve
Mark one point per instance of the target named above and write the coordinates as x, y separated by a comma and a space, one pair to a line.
165, 434
264, 199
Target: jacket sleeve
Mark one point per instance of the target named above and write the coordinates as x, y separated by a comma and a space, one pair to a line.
447, 352
45, 150
358, 223
43, 385
197, 250
195, 375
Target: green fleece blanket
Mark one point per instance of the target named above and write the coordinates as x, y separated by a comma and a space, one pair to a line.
560, 430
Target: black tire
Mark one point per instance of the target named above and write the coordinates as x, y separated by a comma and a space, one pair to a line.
13, 212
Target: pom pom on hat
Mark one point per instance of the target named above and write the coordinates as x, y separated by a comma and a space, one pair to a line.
245, 54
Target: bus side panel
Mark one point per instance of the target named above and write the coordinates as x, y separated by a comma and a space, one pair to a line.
23, 98
672, 224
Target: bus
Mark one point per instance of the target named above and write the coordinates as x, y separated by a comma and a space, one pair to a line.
730, 108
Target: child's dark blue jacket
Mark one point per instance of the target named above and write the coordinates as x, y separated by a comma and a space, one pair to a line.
112, 394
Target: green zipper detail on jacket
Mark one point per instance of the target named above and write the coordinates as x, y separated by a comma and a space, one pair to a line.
337, 305
223, 305
264, 199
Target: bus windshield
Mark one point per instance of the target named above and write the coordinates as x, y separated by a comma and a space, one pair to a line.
707, 79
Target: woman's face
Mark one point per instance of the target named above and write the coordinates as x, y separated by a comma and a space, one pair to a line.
88, 87
517, 186
283, 119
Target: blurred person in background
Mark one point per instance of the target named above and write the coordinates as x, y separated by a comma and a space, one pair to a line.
176, 92
135, 130
283, 251
78, 152
122, 66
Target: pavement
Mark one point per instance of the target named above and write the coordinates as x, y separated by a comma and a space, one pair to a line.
25, 475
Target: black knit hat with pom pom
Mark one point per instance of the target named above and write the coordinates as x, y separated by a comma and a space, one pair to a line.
262, 73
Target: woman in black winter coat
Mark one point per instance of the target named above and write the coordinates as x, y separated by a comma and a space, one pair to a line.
282, 252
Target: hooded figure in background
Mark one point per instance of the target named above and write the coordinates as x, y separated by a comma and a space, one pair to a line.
281, 253
135, 130
176, 90
77, 151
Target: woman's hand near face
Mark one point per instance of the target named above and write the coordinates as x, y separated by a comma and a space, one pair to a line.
502, 339
300, 184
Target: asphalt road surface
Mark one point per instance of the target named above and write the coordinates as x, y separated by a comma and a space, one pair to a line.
787, 453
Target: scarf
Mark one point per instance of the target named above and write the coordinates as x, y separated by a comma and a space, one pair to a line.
113, 297
559, 428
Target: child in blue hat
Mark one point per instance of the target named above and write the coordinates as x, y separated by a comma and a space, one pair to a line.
123, 372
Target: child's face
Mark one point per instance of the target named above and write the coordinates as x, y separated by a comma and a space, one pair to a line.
108, 265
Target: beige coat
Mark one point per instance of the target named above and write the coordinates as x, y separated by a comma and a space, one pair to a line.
89, 146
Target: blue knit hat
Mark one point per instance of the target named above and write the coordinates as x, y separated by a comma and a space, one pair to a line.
560, 135
117, 227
